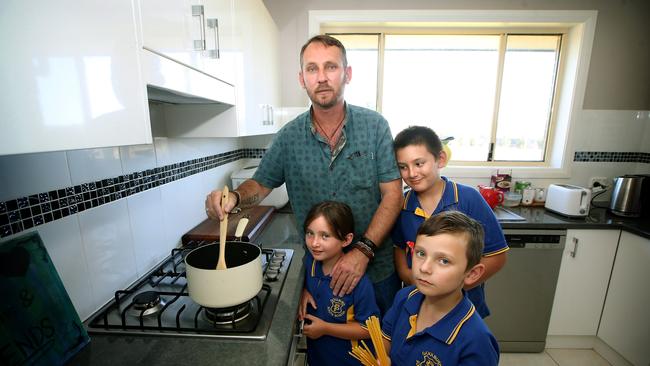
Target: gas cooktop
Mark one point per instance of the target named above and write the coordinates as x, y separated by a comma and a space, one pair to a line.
159, 304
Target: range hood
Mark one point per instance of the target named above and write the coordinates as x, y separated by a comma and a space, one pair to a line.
181, 84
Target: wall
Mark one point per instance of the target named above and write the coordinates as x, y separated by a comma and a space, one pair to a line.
109, 215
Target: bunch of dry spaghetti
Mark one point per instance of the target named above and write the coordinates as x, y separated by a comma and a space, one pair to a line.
364, 354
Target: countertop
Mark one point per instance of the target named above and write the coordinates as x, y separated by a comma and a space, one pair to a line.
162, 351
598, 218
281, 233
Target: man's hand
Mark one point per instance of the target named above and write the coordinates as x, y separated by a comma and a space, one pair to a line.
305, 299
347, 272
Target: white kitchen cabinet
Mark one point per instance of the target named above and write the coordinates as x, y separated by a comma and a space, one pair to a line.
625, 324
257, 84
70, 76
582, 283
195, 33
257, 71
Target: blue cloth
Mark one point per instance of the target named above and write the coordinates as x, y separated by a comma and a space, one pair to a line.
457, 197
302, 158
459, 338
385, 291
359, 306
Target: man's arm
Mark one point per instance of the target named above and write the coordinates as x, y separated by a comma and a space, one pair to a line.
250, 194
348, 270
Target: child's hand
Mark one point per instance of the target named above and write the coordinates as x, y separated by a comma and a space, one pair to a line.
305, 299
315, 329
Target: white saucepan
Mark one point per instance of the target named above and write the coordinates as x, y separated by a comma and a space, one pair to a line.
220, 288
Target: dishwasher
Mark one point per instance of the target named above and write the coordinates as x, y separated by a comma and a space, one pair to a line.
520, 295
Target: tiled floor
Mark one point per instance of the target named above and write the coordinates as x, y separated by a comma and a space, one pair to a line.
554, 357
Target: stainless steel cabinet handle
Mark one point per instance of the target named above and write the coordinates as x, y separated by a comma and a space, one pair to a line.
214, 25
197, 11
575, 247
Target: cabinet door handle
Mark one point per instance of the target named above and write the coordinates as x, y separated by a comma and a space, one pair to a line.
214, 25
575, 248
197, 11
271, 116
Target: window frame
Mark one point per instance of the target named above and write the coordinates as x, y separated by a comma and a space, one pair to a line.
577, 27
382, 33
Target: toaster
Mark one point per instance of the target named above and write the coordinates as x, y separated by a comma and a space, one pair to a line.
568, 200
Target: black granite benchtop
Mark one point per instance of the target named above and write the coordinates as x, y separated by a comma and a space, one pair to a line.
598, 218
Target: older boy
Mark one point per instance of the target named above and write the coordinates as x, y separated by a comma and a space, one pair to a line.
434, 322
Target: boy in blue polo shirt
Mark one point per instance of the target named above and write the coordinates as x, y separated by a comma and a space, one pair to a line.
333, 324
433, 322
420, 156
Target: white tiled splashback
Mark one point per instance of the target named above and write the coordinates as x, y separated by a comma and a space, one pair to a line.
107, 247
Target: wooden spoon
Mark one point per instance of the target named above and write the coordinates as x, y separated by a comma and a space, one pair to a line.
223, 231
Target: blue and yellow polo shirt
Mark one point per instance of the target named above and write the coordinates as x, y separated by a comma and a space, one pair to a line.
351, 173
460, 337
461, 198
359, 306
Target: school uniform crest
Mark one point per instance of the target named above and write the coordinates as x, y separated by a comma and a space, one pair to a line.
428, 359
337, 307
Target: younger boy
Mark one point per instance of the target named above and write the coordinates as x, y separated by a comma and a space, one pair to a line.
433, 322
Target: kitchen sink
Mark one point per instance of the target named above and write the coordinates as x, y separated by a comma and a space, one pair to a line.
505, 215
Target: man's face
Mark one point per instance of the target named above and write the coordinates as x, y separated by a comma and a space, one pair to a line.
323, 75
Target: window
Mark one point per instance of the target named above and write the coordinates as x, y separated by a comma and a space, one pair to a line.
492, 92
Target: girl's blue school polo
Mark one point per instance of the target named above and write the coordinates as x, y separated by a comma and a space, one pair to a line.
457, 197
459, 338
357, 306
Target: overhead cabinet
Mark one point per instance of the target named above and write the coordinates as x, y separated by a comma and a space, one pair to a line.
195, 33
69, 69
254, 54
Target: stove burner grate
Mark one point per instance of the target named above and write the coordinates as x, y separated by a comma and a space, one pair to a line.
229, 315
146, 303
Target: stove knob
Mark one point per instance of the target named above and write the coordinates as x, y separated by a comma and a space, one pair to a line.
277, 261
274, 266
272, 275
279, 254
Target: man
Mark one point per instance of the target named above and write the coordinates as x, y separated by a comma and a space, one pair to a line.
339, 152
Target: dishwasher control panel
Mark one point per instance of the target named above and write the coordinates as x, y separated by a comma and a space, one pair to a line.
542, 239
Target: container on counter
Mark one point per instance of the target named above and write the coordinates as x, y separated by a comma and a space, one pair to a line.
528, 196
511, 199
521, 185
501, 181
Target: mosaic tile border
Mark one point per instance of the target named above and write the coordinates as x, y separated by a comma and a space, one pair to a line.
611, 156
23, 213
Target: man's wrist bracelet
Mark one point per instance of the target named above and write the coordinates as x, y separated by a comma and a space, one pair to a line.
238, 198
365, 249
371, 244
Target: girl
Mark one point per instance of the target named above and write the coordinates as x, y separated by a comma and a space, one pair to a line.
332, 323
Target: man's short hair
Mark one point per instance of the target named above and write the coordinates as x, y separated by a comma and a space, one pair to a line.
456, 222
328, 41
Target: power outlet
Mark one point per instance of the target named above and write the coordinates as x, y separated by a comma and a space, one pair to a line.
602, 181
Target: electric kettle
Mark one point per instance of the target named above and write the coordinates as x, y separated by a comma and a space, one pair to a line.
630, 195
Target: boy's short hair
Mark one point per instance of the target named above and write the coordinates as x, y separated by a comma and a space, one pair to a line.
328, 41
418, 135
337, 214
456, 222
